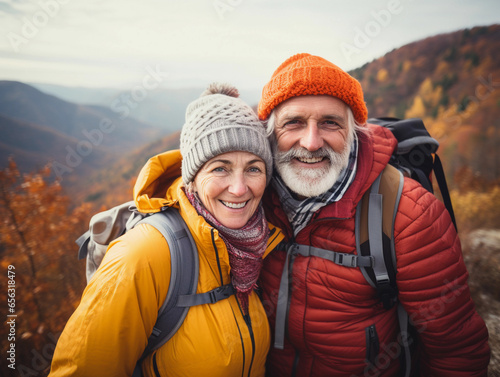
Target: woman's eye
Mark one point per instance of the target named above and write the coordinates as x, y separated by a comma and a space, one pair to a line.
219, 169
255, 169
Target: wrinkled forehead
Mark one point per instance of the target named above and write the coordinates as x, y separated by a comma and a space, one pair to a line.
312, 106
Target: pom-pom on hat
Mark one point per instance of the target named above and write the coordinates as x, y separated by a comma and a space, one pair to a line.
219, 122
306, 74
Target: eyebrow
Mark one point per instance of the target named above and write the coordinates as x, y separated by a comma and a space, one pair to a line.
335, 117
225, 162
228, 162
256, 161
291, 116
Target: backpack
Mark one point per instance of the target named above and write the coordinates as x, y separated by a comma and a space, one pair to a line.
414, 157
108, 225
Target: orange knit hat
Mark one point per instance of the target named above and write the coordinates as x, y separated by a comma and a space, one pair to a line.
305, 74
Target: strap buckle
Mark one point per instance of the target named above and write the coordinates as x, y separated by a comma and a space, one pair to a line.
220, 293
348, 260
387, 293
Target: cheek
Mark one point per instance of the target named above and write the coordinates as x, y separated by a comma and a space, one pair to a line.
207, 189
337, 140
286, 140
258, 187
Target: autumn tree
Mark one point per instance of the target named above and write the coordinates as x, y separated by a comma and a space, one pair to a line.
37, 239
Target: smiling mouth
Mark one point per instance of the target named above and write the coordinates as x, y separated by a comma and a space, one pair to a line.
234, 205
310, 160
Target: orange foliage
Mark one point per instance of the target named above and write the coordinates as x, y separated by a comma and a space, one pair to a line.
452, 82
37, 235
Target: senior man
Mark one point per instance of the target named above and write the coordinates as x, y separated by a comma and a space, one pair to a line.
326, 318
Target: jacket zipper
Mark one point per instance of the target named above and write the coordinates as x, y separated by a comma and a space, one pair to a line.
245, 317
372, 344
212, 232
248, 321
155, 366
295, 363
242, 343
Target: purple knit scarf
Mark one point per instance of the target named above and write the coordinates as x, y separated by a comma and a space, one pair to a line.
245, 246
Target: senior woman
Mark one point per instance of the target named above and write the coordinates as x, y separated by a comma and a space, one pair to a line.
226, 164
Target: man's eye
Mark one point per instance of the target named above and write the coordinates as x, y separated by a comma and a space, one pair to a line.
292, 123
331, 124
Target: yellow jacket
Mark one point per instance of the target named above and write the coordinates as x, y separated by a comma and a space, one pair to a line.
109, 330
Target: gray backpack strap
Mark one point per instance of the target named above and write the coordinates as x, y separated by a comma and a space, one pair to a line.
183, 278
181, 293
282, 304
210, 297
375, 216
375, 234
342, 259
404, 321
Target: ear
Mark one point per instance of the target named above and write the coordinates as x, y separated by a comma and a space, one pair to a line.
191, 187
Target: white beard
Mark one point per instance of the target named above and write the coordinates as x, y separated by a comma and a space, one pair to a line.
311, 182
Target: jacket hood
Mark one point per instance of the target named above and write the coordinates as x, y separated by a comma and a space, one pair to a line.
160, 184
154, 181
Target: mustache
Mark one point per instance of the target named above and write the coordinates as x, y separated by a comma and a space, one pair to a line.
284, 157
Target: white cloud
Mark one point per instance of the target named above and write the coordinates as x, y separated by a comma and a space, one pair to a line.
111, 42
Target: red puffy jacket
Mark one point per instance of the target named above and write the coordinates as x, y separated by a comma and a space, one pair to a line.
336, 324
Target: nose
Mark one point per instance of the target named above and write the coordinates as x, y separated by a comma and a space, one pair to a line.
311, 140
238, 185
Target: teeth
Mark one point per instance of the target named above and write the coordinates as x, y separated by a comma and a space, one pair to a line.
310, 160
234, 205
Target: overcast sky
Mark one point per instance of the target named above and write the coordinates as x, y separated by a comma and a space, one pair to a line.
122, 43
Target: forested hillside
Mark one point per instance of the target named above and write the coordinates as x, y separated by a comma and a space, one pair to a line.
452, 82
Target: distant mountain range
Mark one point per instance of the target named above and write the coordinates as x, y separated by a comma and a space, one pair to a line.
161, 107
38, 128
452, 81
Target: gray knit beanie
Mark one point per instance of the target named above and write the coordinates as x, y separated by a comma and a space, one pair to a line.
220, 122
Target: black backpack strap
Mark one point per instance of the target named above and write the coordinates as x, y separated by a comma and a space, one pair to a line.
443, 187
